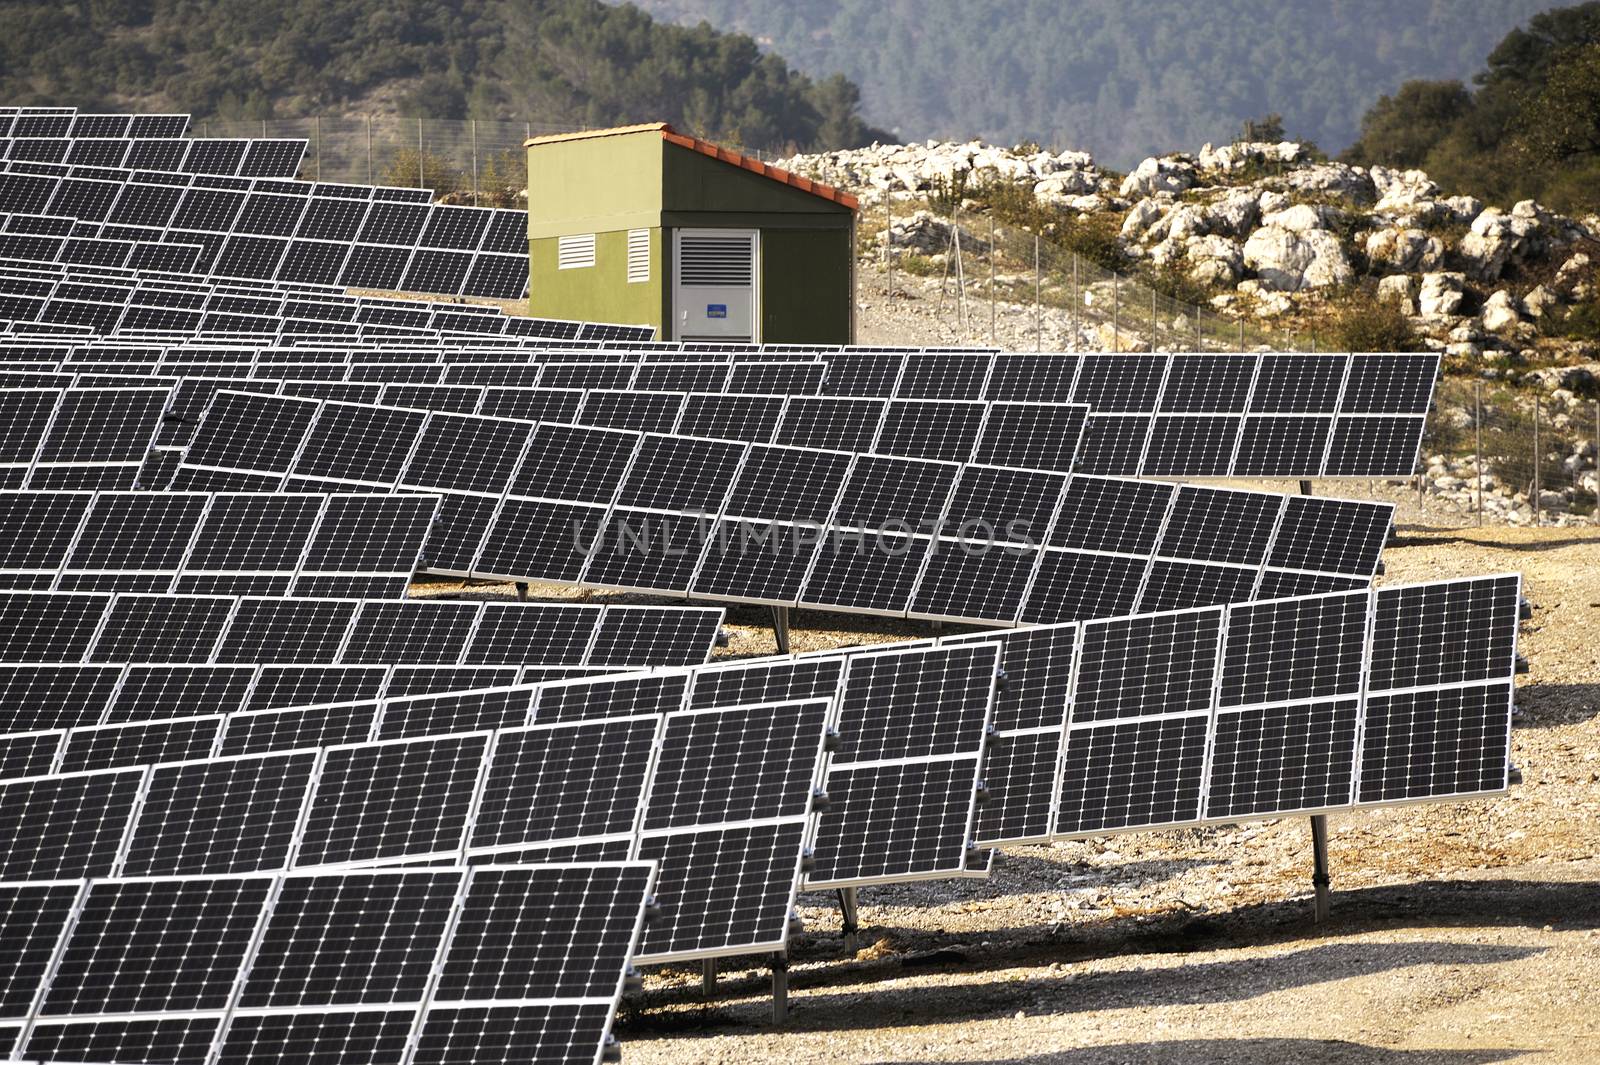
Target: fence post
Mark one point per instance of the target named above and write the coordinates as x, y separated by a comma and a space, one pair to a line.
993, 334
1241, 335
318, 132
1597, 463
422, 181
1537, 405
1038, 308
1477, 445
1116, 311
263, 129
1154, 318
369, 149
474, 123
1077, 322
888, 239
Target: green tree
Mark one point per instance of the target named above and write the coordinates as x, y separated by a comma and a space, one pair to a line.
1402, 129
1562, 123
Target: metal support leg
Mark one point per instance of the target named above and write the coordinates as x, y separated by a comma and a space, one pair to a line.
780, 987
849, 917
780, 628
1319, 875
1305, 488
522, 591
708, 978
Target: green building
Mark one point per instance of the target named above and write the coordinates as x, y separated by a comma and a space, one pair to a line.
643, 225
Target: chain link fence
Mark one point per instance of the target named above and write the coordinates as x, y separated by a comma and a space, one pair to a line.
1009, 288
1497, 454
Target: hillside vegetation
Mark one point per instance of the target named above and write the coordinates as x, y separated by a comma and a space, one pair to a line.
1120, 78
576, 62
1528, 126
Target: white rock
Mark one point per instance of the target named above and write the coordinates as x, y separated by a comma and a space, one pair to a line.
1407, 250
1289, 261
1539, 301
1235, 213
1143, 215
1063, 185
1397, 289
1169, 174
1441, 293
1301, 218
1333, 179
1498, 312
1214, 260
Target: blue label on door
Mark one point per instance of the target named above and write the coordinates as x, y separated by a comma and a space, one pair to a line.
716, 310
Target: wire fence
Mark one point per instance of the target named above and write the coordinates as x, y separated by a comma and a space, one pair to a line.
1495, 454
471, 161
1010, 288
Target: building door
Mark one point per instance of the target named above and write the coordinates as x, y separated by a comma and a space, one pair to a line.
714, 285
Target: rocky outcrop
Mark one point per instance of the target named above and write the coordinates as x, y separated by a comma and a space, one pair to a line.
1274, 229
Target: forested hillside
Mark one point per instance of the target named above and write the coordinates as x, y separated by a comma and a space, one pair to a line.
1121, 78
576, 62
1527, 127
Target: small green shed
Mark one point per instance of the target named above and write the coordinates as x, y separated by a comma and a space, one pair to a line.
641, 224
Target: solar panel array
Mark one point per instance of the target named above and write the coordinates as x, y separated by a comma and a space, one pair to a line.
241, 157
270, 227
166, 302
721, 797
727, 521
495, 963
82, 438
346, 546
123, 627
1253, 710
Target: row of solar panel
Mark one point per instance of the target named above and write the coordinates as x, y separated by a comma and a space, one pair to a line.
86, 304
343, 546
128, 627
1283, 383
762, 523
433, 966
1123, 738
1039, 435
241, 157
67, 122
719, 790
85, 438
297, 231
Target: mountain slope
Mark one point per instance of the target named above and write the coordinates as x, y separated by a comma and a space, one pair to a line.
576, 62
1121, 78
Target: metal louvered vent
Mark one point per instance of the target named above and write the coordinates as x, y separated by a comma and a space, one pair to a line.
638, 255
575, 252
715, 260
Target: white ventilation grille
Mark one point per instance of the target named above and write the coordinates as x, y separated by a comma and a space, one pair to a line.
638, 255
573, 253
715, 261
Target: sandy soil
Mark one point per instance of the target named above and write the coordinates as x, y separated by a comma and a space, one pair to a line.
1461, 933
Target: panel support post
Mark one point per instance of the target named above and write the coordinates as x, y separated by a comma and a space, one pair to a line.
1319, 875
708, 978
522, 591
849, 917
780, 628
780, 987
1305, 488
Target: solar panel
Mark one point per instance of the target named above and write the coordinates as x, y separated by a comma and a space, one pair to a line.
331, 965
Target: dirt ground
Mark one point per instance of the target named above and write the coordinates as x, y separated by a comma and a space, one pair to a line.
1461, 933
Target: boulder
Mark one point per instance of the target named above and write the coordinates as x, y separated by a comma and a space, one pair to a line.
1214, 260
1335, 180
1398, 290
1441, 294
1536, 303
1487, 248
1302, 218
1575, 279
1063, 185
1235, 214
1143, 215
1405, 250
1498, 312
1232, 157
1171, 174
1288, 261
